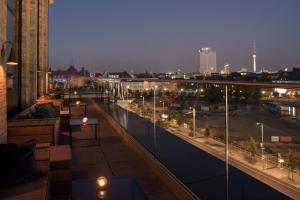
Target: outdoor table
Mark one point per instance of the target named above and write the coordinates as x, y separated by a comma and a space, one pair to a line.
78, 122
79, 105
125, 188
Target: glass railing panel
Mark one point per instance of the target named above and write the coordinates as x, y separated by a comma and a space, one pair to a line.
187, 134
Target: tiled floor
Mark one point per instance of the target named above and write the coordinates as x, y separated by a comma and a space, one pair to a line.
111, 158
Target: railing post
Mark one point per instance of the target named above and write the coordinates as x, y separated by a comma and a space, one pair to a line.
226, 142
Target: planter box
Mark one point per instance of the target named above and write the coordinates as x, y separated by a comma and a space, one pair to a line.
42, 130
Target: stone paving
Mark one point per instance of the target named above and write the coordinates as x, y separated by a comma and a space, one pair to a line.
112, 157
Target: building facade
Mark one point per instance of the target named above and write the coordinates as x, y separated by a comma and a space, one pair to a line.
24, 26
3, 120
70, 78
208, 61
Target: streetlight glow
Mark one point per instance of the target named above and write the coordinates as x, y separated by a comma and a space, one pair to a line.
262, 141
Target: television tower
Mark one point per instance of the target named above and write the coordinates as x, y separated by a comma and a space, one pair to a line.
254, 57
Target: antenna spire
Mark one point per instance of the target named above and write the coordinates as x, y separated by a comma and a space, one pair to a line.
254, 47
254, 57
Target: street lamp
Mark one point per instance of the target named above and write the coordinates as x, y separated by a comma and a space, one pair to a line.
127, 105
280, 161
194, 122
164, 116
154, 120
163, 103
127, 87
262, 141
143, 104
155, 87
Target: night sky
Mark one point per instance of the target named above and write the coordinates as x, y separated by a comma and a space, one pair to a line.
164, 35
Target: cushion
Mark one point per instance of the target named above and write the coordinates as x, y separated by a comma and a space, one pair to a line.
32, 113
44, 111
18, 163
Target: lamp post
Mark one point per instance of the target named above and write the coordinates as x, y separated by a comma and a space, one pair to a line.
143, 104
164, 116
127, 91
163, 103
194, 122
154, 120
127, 104
262, 141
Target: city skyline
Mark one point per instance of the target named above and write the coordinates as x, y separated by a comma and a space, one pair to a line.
165, 36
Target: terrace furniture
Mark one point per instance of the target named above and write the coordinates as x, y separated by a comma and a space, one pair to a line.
55, 164
57, 104
43, 130
78, 123
36, 189
61, 173
125, 188
23, 127
81, 104
64, 120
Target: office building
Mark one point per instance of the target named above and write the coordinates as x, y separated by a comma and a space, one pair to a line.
208, 62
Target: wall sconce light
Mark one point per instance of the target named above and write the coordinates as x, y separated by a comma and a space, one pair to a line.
11, 55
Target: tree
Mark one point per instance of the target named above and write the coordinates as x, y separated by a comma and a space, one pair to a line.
191, 126
252, 95
161, 123
237, 94
207, 132
179, 121
137, 94
213, 94
291, 163
275, 94
251, 148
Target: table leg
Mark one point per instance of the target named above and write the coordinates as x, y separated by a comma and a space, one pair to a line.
70, 136
96, 132
99, 132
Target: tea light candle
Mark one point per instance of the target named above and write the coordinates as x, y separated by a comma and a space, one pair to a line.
102, 182
85, 119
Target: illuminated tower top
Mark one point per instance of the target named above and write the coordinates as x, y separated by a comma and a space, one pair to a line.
254, 57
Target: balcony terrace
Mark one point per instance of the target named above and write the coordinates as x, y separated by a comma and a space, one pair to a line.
111, 157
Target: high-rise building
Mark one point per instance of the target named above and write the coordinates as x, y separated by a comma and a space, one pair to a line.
208, 63
225, 70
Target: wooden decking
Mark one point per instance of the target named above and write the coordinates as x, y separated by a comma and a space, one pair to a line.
112, 157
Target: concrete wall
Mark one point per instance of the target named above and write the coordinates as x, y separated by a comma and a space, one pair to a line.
3, 120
